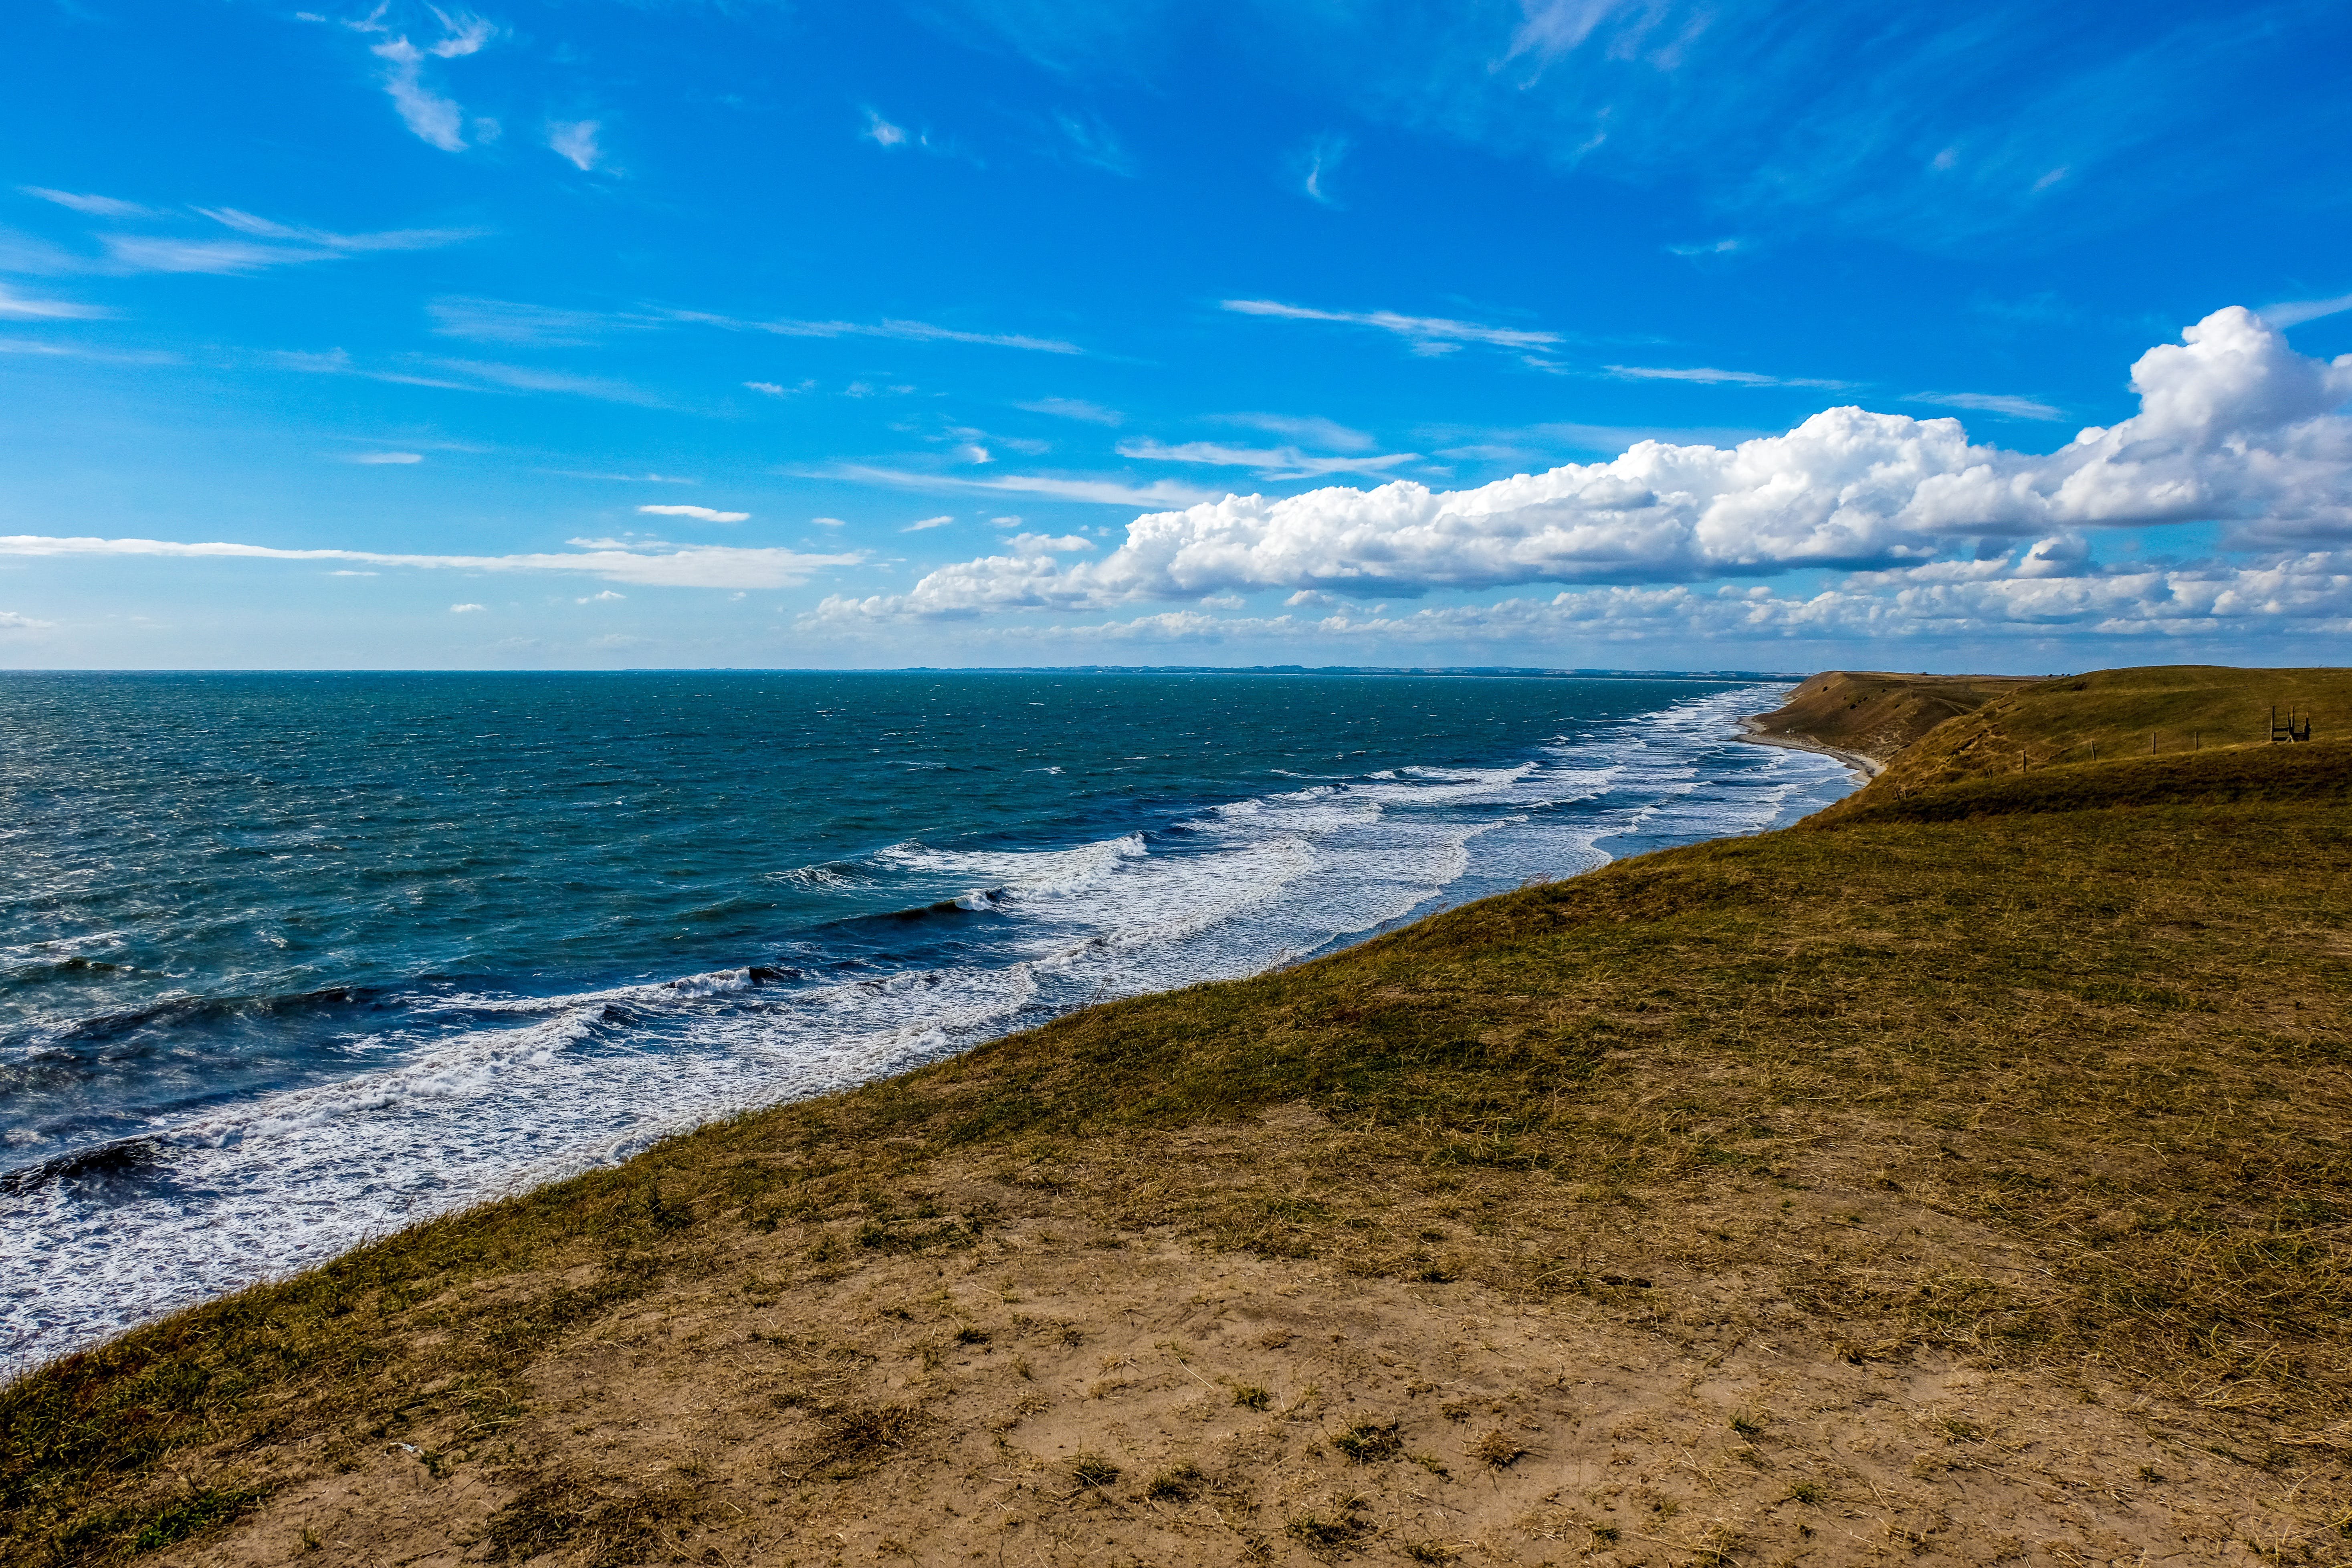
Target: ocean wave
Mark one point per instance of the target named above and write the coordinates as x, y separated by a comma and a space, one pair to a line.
495, 1089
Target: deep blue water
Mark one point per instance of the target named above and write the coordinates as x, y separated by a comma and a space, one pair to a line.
289, 960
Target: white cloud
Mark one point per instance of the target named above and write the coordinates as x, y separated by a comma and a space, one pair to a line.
575, 140
10, 621
882, 134
384, 457
2294, 312
529, 378
607, 597
1093, 144
777, 389
226, 258
507, 322
96, 206
1310, 431
1711, 248
2234, 425
432, 117
381, 239
700, 513
903, 331
1110, 492
940, 522
1427, 334
1274, 463
1074, 408
1712, 377
644, 564
1322, 159
1989, 403
467, 609
288, 245
1035, 543
16, 307
433, 120
2007, 599
828, 522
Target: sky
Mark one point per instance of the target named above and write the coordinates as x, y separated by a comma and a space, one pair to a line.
1571, 333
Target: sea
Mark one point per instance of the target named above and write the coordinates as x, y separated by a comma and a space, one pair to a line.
291, 960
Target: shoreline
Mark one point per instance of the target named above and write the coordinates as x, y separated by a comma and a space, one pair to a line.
1868, 767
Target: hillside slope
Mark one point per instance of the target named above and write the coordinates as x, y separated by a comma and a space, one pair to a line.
1964, 1179
1874, 713
2155, 710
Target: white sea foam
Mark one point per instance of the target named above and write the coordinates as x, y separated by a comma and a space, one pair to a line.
278, 1182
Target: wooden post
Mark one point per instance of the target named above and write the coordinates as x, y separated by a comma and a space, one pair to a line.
2151, 743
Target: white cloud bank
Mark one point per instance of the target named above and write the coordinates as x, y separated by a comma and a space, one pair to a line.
682, 566
2234, 426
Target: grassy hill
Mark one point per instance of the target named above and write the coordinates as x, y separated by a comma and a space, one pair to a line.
1876, 713
1965, 1176
2117, 713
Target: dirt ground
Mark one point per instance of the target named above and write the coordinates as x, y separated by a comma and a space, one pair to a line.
1056, 1392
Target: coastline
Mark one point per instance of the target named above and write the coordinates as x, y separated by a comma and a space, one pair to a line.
1186, 1275
1751, 732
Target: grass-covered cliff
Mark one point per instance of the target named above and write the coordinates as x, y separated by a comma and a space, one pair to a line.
1966, 1174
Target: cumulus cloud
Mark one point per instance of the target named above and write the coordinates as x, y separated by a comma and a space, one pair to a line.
700, 513
2234, 426
644, 565
10, 621
2297, 596
1426, 334
467, 609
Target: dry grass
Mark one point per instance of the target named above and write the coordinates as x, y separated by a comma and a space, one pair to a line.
2052, 1081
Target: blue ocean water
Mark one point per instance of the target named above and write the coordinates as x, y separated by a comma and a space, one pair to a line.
290, 960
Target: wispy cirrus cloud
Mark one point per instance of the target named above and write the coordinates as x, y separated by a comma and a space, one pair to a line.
1110, 492
574, 141
2294, 312
93, 205
16, 307
511, 321
1707, 375
675, 567
1321, 160
1086, 141
1074, 409
1270, 463
1989, 403
269, 244
432, 117
347, 243
902, 332
700, 513
1425, 334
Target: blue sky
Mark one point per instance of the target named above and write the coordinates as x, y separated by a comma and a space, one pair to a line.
1023, 331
